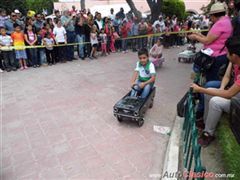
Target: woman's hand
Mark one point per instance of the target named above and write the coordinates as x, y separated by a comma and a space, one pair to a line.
192, 36
195, 87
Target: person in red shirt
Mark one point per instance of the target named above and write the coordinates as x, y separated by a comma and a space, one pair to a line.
150, 34
124, 35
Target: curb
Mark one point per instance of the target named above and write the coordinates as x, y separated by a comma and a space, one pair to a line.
171, 163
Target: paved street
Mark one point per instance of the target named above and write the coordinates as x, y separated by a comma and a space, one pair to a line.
57, 122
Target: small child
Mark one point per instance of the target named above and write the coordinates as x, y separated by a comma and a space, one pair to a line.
18, 42
114, 37
49, 43
103, 37
41, 51
7, 52
144, 74
156, 52
31, 39
94, 42
124, 35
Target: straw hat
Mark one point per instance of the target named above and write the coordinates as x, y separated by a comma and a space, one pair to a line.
217, 8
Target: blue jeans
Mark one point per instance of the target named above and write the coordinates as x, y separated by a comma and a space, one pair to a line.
210, 84
33, 58
124, 44
42, 56
146, 90
71, 37
81, 40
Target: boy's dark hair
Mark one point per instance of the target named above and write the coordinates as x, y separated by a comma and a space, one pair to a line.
233, 45
16, 25
143, 51
101, 29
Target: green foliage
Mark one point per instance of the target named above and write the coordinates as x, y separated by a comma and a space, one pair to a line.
174, 7
24, 5
230, 148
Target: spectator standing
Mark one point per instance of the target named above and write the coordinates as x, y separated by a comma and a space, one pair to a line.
112, 15
7, 52
121, 14
31, 39
61, 40
103, 39
99, 22
135, 33
49, 43
18, 42
124, 35
161, 24
143, 27
94, 42
3, 17
68, 23
80, 29
38, 22
9, 24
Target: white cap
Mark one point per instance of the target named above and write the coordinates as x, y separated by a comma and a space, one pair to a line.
16, 11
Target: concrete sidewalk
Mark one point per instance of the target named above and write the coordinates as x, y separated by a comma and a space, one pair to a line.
57, 122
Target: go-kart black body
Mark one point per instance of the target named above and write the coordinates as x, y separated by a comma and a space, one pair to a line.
133, 108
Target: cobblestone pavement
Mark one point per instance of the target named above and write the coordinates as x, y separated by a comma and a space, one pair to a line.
57, 122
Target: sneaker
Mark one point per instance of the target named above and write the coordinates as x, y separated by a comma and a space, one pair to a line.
1, 71
22, 68
8, 70
34, 66
14, 69
90, 57
25, 67
205, 139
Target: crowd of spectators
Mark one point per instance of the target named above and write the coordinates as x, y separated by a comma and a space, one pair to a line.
94, 34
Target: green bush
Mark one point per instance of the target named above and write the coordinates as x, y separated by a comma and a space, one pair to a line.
174, 7
230, 148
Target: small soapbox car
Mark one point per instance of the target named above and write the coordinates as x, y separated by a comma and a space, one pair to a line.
133, 108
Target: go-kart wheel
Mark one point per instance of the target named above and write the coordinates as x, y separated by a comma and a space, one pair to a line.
119, 119
140, 122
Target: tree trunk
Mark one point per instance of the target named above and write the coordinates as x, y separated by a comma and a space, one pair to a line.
155, 7
137, 13
82, 4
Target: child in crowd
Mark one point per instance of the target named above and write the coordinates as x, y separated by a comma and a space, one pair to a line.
7, 52
49, 43
115, 41
124, 33
41, 51
144, 74
103, 38
155, 53
61, 39
94, 42
18, 42
31, 39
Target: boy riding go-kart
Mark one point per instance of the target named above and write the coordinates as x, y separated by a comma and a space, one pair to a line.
134, 105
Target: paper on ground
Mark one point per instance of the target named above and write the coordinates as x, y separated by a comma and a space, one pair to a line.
162, 130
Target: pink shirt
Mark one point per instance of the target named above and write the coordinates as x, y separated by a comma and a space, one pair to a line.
237, 75
223, 29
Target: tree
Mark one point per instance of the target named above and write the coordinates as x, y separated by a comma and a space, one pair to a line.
10, 5
39, 5
155, 7
174, 7
137, 13
82, 4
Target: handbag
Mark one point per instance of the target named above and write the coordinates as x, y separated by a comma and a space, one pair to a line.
181, 105
203, 61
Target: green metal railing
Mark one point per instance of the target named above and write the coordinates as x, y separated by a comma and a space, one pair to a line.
191, 148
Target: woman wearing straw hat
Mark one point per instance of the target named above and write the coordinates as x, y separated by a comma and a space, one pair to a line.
220, 31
